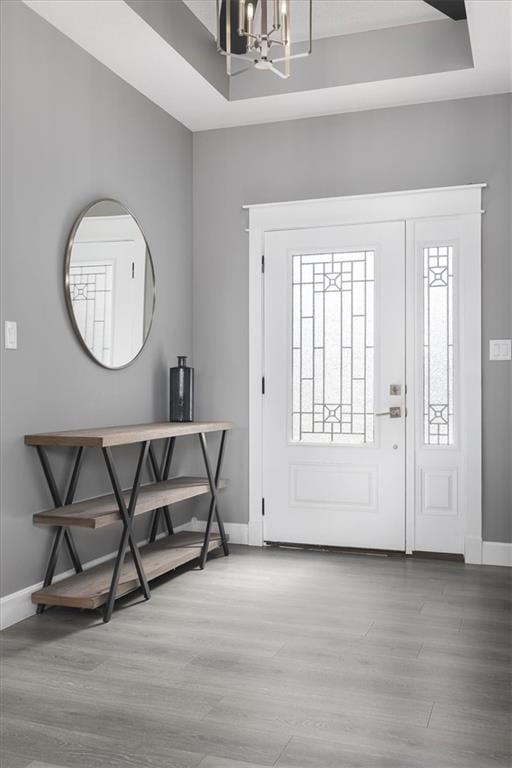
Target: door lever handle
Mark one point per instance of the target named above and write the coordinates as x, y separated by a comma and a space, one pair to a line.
394, 412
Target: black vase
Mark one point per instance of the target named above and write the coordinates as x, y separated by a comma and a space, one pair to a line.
181, 392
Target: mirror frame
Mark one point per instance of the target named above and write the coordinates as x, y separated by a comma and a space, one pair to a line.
67, 293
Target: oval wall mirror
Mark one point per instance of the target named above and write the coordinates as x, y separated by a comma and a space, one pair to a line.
110, 284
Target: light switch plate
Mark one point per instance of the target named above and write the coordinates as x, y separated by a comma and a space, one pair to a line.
11, 334
500, 349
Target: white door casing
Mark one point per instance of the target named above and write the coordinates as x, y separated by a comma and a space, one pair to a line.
460, 203
333, 473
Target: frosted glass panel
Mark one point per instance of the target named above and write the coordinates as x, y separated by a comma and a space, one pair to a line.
438, 345
332, 340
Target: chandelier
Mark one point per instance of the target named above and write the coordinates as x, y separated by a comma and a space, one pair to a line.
258, 31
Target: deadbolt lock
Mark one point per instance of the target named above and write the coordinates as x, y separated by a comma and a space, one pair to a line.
395, 389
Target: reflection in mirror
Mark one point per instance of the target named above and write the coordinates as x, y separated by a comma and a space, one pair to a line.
110, 284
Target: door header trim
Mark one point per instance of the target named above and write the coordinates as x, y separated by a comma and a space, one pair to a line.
366, 196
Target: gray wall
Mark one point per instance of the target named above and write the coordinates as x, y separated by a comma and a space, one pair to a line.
73, 132
419, 146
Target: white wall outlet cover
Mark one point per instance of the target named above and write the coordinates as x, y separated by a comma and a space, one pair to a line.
500, 349
11, 334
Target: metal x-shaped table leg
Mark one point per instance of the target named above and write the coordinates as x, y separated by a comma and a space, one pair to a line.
162, 473
127, 538
62, 533
213, 482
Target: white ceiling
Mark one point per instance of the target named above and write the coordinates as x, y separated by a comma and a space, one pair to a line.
337, 17
117, 36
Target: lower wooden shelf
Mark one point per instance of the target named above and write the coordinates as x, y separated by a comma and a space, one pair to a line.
90, 588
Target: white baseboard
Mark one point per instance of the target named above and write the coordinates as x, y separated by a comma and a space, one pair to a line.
238, 532
18, 605
497, 553
478, 552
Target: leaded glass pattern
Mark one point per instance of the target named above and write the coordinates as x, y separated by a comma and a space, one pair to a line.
90, 289
333, 347
438, 374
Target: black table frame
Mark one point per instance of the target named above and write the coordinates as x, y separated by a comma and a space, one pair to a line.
160, 472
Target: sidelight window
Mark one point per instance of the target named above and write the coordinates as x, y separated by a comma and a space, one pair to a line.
438, 385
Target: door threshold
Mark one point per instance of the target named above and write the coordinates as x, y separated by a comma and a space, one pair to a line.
452, 556
368, 552
340, 550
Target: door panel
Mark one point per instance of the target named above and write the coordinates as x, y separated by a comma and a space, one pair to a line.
445, 255
333, 465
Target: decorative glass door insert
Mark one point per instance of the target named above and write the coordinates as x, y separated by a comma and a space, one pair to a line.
438, 349
333, 347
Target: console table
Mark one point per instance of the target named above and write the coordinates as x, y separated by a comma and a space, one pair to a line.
101, 585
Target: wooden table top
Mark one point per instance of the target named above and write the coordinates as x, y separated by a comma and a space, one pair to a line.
102, 437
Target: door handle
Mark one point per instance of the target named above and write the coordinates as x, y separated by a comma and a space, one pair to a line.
394, 412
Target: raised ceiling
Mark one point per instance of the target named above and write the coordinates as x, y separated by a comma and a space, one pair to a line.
161, 49
337, 17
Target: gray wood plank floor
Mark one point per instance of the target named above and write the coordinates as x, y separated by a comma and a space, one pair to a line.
269, 657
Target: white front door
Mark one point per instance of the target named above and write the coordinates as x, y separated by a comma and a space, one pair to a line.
334, 403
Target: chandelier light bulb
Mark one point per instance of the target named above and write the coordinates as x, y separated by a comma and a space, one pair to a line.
277, 20
241, 17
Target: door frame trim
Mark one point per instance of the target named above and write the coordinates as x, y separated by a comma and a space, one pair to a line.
465, 200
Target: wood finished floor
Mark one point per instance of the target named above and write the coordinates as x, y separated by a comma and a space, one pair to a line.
271, 657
